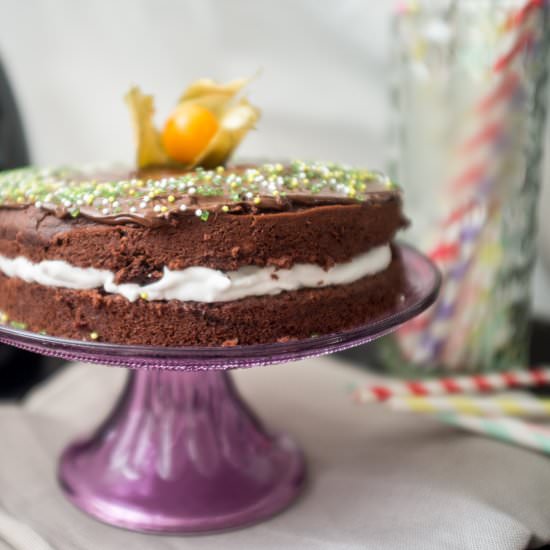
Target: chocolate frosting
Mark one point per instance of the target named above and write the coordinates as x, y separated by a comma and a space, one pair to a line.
155, 197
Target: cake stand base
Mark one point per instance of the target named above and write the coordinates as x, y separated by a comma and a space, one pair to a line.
181, 453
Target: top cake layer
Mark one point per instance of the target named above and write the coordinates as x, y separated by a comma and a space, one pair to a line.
137, 223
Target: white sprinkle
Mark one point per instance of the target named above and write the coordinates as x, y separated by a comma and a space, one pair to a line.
133, 209
105, 202
143, 205
183, 207
249, 195
198, 212
191, 191
157, 208
105, 211
116, 204
38, 204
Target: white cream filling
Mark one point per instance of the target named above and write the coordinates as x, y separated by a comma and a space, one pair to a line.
200, 284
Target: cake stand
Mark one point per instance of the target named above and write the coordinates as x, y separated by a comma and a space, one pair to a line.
181, 452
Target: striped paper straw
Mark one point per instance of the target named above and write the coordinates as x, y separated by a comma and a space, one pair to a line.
508, 430
516, 404
460, 384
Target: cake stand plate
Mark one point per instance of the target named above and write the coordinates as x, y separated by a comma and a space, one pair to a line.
181, 452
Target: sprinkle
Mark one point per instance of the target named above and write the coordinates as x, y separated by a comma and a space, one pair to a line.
4, 318
198, 212
205, 215
157, 208
183, 207
257, 200
70, 188
144, 295
225, 208
18, 325
94, 335
133, 209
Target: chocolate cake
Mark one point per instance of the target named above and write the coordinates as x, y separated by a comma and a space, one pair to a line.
244, 254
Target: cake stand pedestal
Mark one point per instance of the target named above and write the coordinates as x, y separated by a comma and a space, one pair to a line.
181, 452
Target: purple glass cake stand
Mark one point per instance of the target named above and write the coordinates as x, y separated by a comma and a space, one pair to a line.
181, 452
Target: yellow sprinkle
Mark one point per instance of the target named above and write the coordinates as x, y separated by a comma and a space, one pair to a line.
111, 199
171, 198
362, 187
257, 200
294, 183
144, 295
234, 185
220, 170
275, 193
225, 208
131, 191
352, 192
94, 335
164, 209
4, 318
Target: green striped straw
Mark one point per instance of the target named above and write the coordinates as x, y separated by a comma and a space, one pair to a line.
509, 430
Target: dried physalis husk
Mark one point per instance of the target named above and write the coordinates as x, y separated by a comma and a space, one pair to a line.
235, 116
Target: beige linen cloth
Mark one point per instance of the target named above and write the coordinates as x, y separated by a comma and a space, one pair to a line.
377, 479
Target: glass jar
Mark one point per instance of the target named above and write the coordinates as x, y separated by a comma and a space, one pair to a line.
469, 97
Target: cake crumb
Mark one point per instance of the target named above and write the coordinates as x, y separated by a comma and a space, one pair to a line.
231, 343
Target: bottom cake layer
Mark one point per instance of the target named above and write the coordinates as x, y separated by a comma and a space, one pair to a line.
92, 314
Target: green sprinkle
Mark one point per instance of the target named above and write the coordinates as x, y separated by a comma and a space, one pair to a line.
18, 325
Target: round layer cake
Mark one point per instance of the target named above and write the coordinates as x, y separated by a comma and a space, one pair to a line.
238, 255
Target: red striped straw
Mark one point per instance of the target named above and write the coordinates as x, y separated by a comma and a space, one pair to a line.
480, 383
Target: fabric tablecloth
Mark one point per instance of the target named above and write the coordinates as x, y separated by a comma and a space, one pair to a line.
377, 479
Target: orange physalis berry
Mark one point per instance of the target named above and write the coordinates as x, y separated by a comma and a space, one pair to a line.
188, 131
